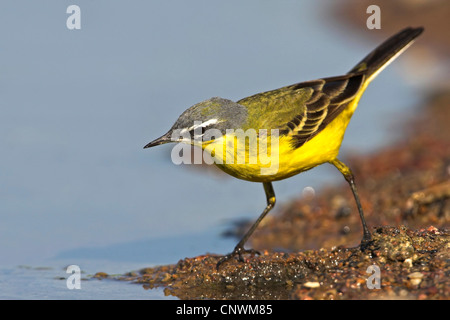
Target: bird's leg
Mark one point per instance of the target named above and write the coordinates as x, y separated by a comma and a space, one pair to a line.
348, 175
239, 250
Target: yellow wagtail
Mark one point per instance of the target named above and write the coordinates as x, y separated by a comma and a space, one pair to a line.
301, 127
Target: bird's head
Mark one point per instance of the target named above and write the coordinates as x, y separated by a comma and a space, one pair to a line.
204, 122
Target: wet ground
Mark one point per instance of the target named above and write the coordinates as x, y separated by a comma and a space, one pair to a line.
310, 247
412, 265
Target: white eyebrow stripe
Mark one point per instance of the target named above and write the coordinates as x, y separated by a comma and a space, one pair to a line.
197, 125
207, 123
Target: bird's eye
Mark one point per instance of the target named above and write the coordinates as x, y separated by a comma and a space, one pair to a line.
191, 132
199, 131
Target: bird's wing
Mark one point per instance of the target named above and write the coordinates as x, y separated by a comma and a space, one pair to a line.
304, 109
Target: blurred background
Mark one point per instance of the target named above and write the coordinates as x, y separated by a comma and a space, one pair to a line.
77, 106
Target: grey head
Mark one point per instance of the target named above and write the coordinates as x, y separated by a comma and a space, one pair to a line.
204, 121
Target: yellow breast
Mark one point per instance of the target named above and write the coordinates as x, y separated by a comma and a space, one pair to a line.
267, 159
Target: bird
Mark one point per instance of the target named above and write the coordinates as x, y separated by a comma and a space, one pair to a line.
274, 135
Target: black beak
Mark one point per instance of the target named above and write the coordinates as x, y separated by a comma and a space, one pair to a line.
161, 140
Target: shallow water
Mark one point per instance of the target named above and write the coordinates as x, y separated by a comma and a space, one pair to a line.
49, 282
47, 279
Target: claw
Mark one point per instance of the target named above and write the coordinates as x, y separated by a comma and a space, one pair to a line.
366, 242
239, 253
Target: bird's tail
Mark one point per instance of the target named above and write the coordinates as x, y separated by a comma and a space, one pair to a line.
386, 52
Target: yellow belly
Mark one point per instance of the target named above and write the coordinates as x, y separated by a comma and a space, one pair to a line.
282, 160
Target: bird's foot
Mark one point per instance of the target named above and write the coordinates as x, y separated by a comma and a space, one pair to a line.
366, 241
238, 253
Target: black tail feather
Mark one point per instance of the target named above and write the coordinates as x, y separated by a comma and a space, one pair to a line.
387, 51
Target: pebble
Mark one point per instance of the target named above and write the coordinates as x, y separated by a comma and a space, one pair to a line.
311, 284
415, 278
408, 263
